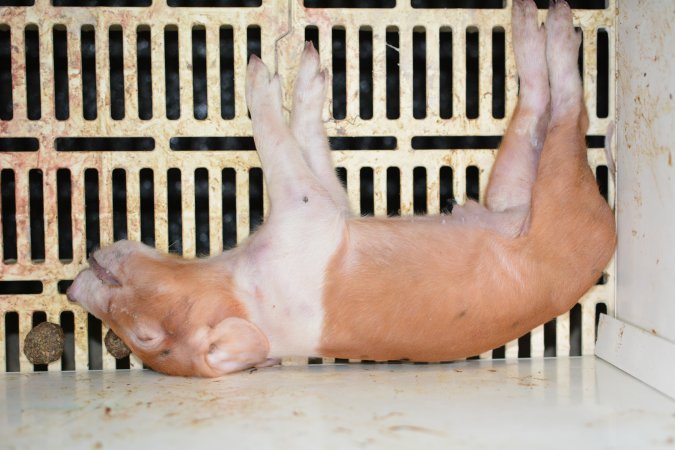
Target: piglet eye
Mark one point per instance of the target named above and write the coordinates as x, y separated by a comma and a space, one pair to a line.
103, 274
165, 353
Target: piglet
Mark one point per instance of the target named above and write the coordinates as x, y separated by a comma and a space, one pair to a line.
317, 280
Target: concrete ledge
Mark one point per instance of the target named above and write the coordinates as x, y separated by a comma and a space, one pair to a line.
642, 354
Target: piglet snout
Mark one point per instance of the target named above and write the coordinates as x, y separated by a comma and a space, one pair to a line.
76, 292
70, 294
82, 284
101, 273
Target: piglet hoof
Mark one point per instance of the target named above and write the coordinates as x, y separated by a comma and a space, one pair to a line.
529, 46
309, 92
263, 92
562, 43
562, 53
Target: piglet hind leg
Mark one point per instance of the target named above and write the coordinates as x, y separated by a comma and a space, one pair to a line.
572, 234
514, 172
562, 52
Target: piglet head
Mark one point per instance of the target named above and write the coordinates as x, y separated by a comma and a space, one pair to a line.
181, 317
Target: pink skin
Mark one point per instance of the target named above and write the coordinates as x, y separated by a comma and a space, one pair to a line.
269, 297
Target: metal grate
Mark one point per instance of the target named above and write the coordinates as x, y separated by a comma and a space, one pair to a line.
128, 120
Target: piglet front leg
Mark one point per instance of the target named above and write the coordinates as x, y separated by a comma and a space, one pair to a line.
289, 254
309, 96
289, 179
292, 185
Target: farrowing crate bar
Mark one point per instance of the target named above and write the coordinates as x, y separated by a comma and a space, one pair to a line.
131, 122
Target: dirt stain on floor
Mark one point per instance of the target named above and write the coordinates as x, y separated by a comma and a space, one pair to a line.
414, 429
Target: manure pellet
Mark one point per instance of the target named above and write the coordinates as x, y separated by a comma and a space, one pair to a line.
44, 343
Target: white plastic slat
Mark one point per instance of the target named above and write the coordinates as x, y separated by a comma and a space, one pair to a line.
22, 205
213, 72
157, 65
485, 74
46, 48
77, 203
352, 51
81, 340
537, 342
511, 350
18, 62
380, 190
588, 327
50, 214
188, 213
433, 72
215, 211
3, 344
133, 205
185, 69
379, 72
102, 54
25, 325
406, 191
240, 61
75, 73
590, 69
354, 184
459, 72
433, 190
130, 58
405, 51
562, 341
105, 197
243, 207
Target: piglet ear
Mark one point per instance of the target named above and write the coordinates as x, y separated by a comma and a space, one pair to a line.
236, 344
